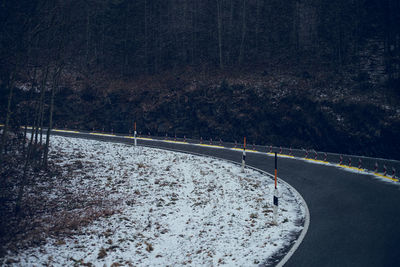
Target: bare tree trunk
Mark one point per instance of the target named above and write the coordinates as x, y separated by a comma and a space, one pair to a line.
56, 79
193, 31
145, 37
33, 82
87, 36
219, 18
39, 126
10, 84
241, 51
231, 40
257, 24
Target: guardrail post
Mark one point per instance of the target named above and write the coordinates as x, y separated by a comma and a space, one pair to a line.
184, 138
384, 170
244, 155
280, 150
201, 140
220, 142
276, 198
270, 149
393, 172
359, 163
290, 151
325, 156
254, 146
134, 133
341, 160
349, 162
316, 155
376, 166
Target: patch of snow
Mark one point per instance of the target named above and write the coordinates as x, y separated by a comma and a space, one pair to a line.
175, 209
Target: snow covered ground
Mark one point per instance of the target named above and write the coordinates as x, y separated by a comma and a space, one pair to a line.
169, 209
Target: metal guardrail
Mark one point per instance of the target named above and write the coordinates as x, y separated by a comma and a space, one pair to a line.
379, 166
383, 167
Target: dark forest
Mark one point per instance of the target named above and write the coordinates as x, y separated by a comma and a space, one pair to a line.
318, 74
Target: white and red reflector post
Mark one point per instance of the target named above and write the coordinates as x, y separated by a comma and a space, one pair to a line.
244, 155
135, 133
276, 198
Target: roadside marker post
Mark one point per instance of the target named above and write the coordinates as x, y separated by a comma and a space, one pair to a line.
359, 163
393, 172
376, 166
134, 134
244, 155
384, 170
341, 160
276, 198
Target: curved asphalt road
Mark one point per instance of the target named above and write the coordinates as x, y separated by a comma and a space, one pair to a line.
355, 219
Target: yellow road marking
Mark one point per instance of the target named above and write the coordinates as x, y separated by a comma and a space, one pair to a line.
144, 138
375, 173
211, 146
102, 134
175, 142
247, 150
351, 168
320, 161
65, 131
387, 177
284, 155
141, 138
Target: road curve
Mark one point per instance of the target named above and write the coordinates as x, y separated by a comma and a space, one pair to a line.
355, 218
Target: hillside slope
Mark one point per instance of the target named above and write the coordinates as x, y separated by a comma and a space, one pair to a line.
336, 112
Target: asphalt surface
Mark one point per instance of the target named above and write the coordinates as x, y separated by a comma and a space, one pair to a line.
355, 218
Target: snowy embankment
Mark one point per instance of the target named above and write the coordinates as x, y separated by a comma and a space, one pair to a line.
168, 209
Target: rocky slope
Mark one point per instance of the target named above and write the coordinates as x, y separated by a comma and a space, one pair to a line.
335, 112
